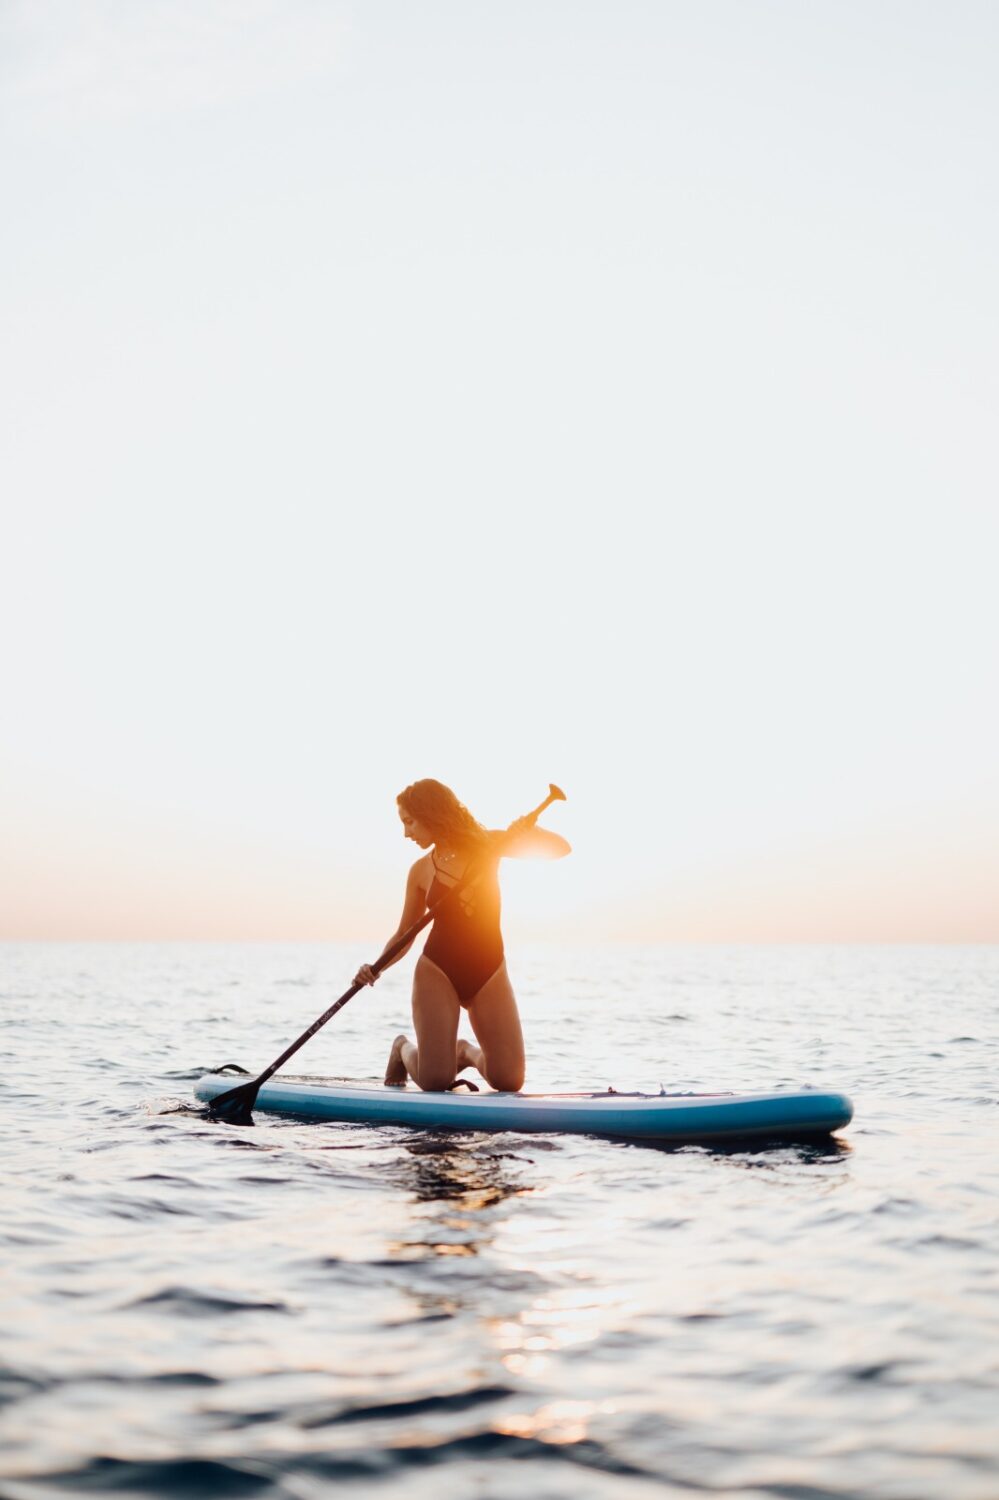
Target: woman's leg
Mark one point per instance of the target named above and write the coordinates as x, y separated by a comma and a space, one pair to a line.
496, 1023
432, 1061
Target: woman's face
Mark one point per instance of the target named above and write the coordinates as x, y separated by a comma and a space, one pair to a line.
415, 830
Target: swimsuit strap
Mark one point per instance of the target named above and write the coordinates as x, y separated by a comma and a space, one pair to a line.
450, 873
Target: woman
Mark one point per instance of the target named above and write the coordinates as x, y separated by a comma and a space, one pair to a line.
462, 964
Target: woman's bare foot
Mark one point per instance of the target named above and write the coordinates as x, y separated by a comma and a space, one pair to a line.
468, 1055
395, 1068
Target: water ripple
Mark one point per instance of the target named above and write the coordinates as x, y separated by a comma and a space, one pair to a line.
193, 1310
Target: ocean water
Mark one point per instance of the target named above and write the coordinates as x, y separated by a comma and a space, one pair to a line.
191, 1309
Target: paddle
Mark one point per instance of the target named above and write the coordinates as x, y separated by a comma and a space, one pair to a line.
235, 1106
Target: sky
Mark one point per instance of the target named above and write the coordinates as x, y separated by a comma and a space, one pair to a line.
508, 393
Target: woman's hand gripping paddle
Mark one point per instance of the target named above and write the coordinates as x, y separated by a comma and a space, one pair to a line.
235, 1106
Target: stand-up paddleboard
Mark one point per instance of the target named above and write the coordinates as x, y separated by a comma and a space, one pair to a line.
792, 1114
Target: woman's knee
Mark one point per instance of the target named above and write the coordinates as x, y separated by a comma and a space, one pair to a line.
433, 1078
506, 1076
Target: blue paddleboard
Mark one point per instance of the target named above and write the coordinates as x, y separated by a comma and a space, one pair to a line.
789, 1113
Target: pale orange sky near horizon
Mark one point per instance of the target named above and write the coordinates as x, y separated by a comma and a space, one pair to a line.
547, 392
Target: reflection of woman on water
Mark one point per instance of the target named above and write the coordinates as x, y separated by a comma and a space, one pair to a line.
462, 963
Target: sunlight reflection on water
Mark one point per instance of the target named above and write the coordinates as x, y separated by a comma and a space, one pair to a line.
196, 1310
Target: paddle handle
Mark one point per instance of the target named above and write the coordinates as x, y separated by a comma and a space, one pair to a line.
399, 946
555, 794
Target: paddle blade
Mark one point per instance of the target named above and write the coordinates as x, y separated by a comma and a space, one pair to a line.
235, 1106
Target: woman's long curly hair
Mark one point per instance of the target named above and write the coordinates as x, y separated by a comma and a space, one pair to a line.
449, 821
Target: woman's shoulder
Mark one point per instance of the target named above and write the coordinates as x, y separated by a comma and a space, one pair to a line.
421, 872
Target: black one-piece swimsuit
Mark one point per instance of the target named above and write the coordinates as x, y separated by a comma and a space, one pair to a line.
465, 941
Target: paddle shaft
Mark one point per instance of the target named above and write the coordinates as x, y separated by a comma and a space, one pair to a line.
399, 946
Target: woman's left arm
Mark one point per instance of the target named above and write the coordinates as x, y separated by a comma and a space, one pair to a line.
525, 840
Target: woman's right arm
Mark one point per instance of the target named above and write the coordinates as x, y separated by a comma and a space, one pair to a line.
413, 908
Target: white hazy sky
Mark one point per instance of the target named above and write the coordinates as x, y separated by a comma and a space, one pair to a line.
502, 392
